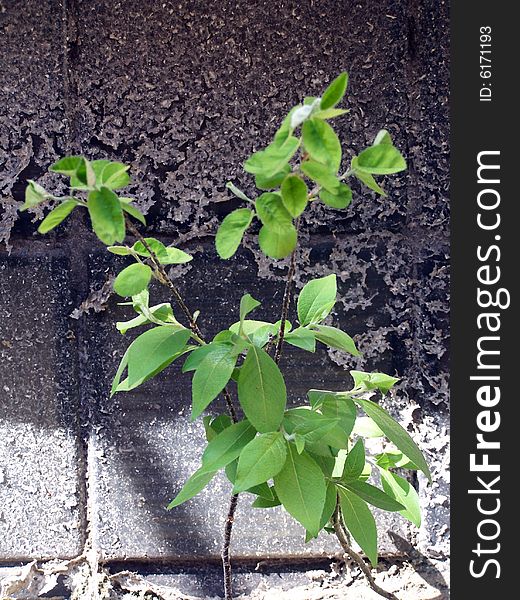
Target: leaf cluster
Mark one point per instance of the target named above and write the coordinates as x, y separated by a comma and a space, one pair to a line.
300, 166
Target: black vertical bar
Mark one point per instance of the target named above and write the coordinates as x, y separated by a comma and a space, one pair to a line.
484, 126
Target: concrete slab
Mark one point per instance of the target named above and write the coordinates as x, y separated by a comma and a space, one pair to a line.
40, 462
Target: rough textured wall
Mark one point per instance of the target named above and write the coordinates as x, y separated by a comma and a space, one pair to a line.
184, 92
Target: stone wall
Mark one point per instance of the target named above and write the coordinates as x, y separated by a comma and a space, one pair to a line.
184, 92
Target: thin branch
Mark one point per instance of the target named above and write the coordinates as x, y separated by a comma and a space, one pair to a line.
343, 538
230, 406
226, 558
165, 279
287, 295
285, 307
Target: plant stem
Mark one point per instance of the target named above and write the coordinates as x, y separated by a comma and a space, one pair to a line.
343, 538
226, 558
164, 278
287, 295
230, 406
285, 307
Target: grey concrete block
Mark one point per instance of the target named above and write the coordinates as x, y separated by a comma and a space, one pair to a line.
33, 89
428, 131
40, 462
427, 341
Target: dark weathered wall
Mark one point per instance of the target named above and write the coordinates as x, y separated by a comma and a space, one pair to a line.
184, 92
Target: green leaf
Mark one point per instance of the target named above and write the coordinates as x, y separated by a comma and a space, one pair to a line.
112, 175
175, 256
119, 250
395, 433
367, 179
215, 426
366, 428
227, 446
328, 510
322, 143
322, 175
119, 373
261, 390
374, 496
157, 247
98, 166
341, 199
330, 113
68, 165
237, 192
301, 488
153, 351
273, 159
277, 244
269, 183
247, 305
265, 503
195, 484
166, 255
330, 504
257, 332
316, 299
294, 194
106, 215
382, 137
335, 338
299, 442
161, 313
272, 212
360, 522
374, 381
394, 459
231, 231
316, 397
260, 460
211, 377
355, 462
84, 178
263, 490
285, 129
133, 279
382, 159
302, 338
404, 493
57, 215
315, 428
34, 195
133, 211
340, 408
334, 92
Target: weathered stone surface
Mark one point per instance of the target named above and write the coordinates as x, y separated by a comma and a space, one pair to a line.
41, 487
186, 94
429, 127
33, 99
